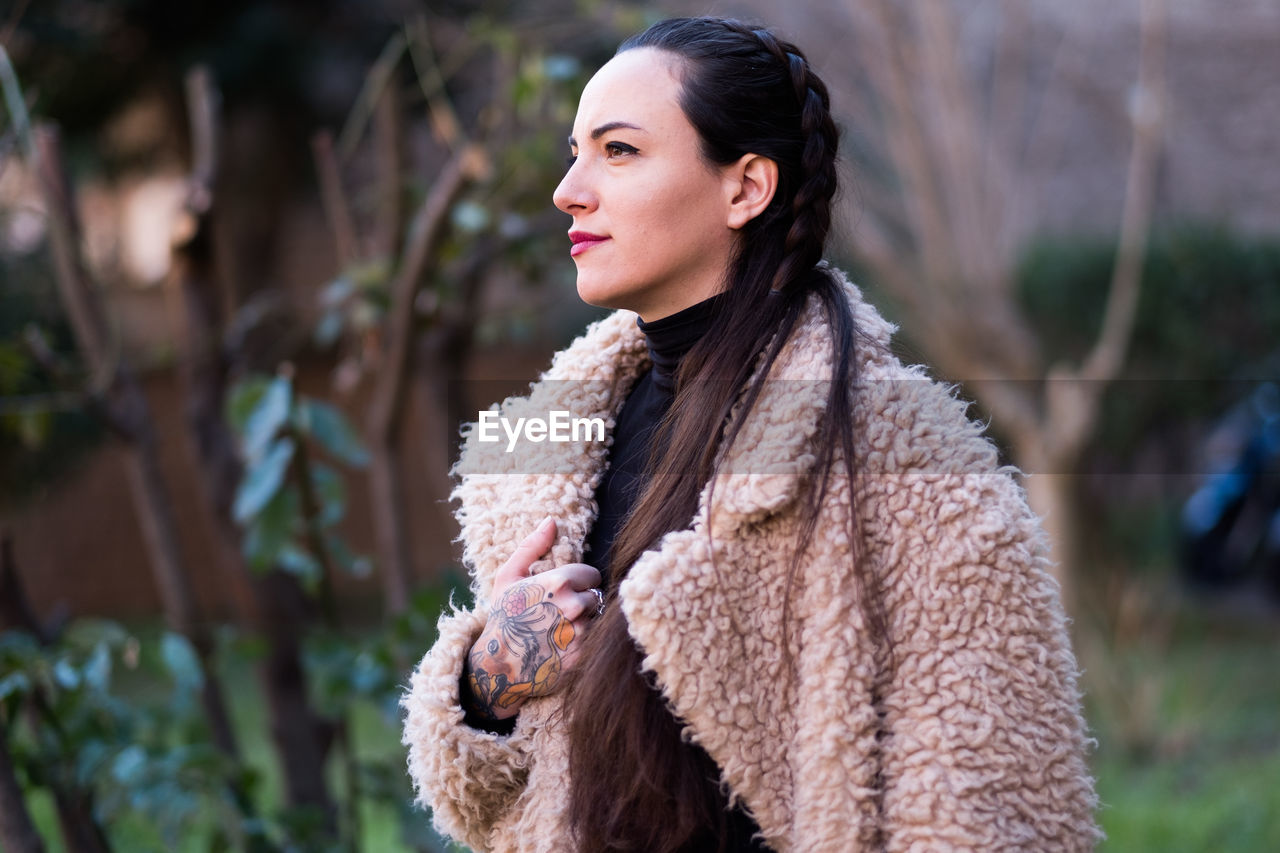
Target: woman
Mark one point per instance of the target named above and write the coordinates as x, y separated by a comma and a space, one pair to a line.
796, 604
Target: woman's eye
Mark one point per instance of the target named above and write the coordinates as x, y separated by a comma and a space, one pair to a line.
611, 150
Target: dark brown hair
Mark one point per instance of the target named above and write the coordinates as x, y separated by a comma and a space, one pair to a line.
635, 783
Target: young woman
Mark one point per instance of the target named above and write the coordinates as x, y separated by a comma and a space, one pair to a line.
794, 604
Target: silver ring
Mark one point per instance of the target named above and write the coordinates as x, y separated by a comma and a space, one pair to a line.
599, 600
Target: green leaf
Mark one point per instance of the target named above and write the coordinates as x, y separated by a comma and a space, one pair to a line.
90, 632
129, 764
89, 759
33, 428
181, 661
13, 367
18, 649
330, 492
337, 292
329, 329
14, 684
271, 413
98, 670
242, 399
330, 427
268, 532
469, 217
371, 275
296, 561
561, 66
66, 675
355, 565
262, 480
367, 677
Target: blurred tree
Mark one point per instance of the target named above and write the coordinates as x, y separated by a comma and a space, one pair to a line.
411, 281
1194, 355
114, 394
944, 219
44, 430
492, 87
377, 303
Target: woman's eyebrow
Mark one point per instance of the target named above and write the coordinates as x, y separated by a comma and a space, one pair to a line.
606, 127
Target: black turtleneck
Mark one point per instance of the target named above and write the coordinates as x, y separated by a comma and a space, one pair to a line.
669, 340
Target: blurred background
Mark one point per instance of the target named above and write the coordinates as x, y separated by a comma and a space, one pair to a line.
257, 259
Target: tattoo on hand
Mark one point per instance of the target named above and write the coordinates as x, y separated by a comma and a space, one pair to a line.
520, 652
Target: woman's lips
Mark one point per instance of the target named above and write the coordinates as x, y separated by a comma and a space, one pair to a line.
583, 241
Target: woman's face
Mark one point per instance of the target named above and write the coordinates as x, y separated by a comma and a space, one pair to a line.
650, 217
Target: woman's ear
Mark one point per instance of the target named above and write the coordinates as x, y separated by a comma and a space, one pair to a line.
750, 185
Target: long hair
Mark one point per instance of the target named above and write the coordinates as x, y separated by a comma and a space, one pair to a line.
635, 783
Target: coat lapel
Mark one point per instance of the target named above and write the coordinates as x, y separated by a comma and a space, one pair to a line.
505, 495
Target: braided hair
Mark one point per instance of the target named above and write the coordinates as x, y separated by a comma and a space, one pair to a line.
635, 783
760, 97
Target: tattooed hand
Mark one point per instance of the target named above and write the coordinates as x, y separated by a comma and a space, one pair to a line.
532, 631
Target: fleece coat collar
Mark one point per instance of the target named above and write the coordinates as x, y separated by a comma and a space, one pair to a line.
768, 465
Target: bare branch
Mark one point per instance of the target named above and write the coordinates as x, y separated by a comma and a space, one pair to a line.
73, 280
950, 119
891, 79
389, 163
1147, 110
15, 104
15, 17
203, 103
445, 124
334, 199
374, 82
1009, 83
419, 256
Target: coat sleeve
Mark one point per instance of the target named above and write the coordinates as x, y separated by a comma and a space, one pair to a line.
468, 778
984, 741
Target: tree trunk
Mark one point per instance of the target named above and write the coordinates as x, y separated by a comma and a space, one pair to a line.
126, 409
272, 605
387, 405
1052, 497
301, 737
80, 831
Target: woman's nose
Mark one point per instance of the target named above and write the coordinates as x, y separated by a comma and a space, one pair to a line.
572, 196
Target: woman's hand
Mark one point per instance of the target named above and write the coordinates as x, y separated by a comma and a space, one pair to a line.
533, 631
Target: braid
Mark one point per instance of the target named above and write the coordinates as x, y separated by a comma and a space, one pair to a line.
811, 206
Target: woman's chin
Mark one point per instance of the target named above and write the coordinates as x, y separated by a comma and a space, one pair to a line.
601, 295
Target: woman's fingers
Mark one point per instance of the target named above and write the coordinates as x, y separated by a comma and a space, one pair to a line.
526, 554
579, 606
569, 588
580, 576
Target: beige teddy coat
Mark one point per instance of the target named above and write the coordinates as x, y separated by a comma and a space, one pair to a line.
981, 740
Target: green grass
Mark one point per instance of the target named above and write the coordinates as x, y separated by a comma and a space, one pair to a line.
1189, 733
1210, 803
